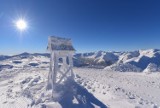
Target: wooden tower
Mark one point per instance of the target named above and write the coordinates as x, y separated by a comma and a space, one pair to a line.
61, 63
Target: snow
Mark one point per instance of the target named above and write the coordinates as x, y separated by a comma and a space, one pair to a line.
139, 59
120, 67
131, 61
129, 89
151, 68
24, 86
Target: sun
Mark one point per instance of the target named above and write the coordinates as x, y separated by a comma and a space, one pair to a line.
21, 24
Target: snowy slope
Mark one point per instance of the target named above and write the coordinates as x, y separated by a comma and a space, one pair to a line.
121, 61
121, 67
152, 68
26, 88
141, 58
123, 90
93, 59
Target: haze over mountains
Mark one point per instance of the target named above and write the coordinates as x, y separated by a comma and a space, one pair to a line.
135, 61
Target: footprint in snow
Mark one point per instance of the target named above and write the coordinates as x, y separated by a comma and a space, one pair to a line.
27, 80
34, 81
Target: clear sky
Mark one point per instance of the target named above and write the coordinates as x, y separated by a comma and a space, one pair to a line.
110, 25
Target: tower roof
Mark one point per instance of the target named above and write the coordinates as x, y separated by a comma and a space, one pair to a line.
59, 43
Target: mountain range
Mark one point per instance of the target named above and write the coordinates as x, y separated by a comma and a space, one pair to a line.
135, 61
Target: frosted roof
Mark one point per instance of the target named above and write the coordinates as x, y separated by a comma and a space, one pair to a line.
58, 43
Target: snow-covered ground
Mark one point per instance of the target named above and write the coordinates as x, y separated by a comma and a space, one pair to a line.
23, 81
25, 87
123, 90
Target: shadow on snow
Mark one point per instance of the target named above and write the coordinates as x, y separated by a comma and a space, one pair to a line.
73, 91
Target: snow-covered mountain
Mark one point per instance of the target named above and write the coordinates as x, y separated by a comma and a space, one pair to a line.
122, 61
96, 59
140, 60
123, 67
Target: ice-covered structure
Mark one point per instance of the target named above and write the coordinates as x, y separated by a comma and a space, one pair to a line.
61, 62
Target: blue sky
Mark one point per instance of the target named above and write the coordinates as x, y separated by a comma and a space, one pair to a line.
110, 25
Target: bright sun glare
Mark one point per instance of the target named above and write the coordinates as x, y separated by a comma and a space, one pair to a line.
21, 24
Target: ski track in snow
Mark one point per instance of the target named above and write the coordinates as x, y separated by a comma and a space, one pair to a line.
23, 88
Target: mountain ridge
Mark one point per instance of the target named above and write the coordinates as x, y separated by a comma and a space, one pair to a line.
139, 60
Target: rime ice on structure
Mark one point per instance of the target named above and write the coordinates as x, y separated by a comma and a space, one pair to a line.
61, 62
